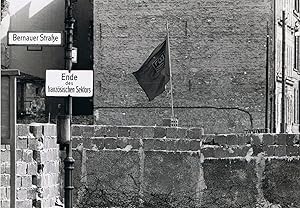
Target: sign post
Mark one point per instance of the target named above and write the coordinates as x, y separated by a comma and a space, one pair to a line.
69, 161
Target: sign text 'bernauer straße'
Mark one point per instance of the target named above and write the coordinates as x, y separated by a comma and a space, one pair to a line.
34, 38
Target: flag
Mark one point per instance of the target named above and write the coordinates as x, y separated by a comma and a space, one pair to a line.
154, 74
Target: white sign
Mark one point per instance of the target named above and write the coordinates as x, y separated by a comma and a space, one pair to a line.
34, 38
62, 83
74, 55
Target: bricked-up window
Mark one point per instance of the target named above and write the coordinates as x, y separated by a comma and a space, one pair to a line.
298, 103
295, 107
290, 58
296, 53
289, 110
297, 5
278, 57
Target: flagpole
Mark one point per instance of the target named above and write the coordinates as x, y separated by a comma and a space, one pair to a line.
169, 61
267, 79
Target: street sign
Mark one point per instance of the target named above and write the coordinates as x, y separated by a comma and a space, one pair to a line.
62, 83
34, 38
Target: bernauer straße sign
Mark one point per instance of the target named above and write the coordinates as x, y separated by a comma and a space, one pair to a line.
17, 38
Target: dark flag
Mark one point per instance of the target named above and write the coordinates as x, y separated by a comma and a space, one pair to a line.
154, 74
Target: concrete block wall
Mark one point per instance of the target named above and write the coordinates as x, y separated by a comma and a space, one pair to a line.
182, 167
217, 53
37, 168
127, 166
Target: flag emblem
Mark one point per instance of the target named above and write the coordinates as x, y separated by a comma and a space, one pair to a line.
158, 64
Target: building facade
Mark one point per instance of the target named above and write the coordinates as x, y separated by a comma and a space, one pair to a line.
218, 55
291, 56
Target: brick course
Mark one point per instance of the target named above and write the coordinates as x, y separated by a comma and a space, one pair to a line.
158, 138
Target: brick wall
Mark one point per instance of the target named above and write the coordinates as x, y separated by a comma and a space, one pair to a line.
162, 166
158, 166
37, 168
217, 52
